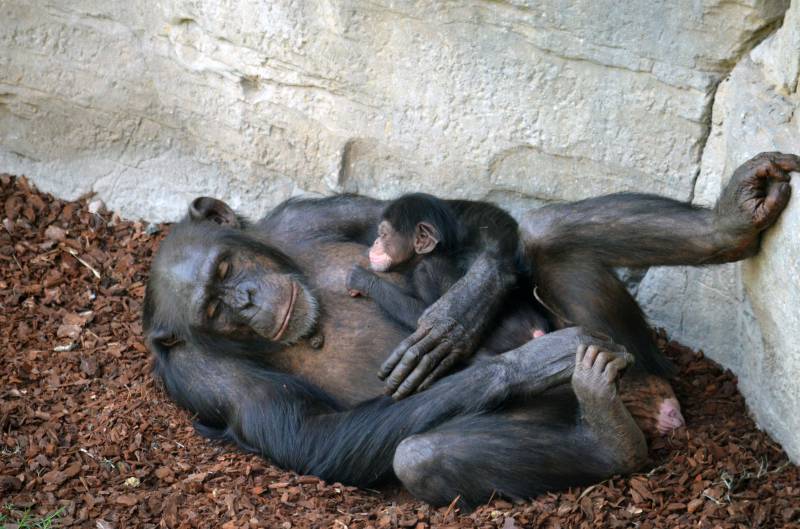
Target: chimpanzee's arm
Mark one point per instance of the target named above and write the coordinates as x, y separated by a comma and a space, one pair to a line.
344, 217
398, 303
646, 230
433, 276
632, 230
450, 329
299, 427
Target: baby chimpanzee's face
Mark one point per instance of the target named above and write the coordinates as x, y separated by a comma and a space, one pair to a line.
390, 249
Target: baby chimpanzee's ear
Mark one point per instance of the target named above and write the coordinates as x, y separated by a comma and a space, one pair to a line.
426, 237
207, 208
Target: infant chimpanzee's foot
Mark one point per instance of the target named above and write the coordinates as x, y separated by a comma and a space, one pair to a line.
669, 416
594, 382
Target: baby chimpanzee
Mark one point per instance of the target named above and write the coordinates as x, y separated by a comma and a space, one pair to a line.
420, 234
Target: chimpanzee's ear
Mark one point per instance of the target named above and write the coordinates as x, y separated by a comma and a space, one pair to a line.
160, 341
426, 237
207, 208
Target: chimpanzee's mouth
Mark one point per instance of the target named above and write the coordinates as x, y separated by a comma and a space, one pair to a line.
288, 316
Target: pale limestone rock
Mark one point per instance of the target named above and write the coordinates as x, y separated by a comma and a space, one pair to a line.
778, 56
704, 308
97, 206
150, 104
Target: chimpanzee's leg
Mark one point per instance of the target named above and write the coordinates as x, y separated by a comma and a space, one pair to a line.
615, 230
559, 440
299, 427
584, 292
577, 243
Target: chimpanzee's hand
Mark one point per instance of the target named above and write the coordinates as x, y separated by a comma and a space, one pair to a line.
360, 281
759, 189
449, 330
550, 360
436, 346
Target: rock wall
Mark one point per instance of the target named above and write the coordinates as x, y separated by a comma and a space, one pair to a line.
149, 104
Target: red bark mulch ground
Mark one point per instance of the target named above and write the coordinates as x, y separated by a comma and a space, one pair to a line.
85, 430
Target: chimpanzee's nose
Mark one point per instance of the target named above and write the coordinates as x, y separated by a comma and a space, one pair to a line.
242, 295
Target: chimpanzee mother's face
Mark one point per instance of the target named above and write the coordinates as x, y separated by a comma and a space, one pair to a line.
214, 281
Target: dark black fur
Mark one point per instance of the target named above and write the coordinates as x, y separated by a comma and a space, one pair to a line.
576, 280
406, 212
519, 447
500, 425
298, 426
460, 225
524, 441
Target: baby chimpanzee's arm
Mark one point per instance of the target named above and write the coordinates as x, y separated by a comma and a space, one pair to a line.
403, 306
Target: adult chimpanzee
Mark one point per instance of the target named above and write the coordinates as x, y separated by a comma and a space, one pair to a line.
419, 234
228, 305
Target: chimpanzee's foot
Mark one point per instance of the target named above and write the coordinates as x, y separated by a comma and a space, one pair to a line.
595, 377
669, 416
752, 201
549, 360
594, 382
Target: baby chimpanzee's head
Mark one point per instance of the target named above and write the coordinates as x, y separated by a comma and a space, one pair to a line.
411, 226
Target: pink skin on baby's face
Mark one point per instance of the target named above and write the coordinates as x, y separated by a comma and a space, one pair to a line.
390, 249
379, 260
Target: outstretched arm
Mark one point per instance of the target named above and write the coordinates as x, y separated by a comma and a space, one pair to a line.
299, 427
647, 230
617, 230
348, 217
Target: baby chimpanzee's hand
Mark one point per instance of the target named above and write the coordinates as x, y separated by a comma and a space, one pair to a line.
360, 281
